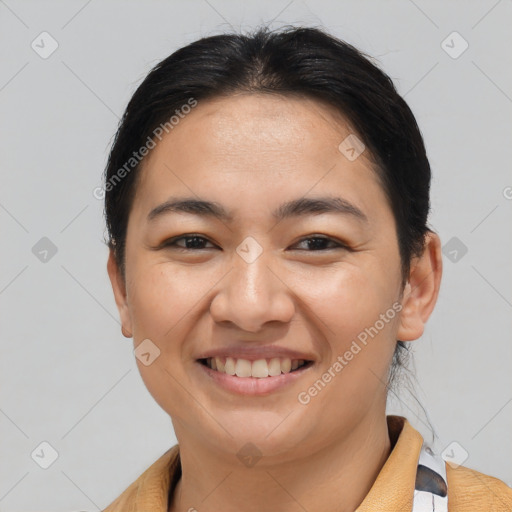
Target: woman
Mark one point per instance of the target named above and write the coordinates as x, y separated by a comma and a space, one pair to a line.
266, 202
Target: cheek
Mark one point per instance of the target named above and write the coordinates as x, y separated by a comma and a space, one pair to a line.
162, 297
349, 299
355, 305
163, 305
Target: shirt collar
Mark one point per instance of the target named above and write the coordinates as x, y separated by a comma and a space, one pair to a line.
394, 487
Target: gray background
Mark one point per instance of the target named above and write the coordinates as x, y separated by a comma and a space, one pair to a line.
68, 377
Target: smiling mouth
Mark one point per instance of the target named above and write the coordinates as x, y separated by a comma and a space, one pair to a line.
260, 368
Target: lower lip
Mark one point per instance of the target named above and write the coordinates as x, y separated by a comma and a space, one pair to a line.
253, 386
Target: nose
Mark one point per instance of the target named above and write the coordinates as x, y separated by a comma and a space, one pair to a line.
253, 294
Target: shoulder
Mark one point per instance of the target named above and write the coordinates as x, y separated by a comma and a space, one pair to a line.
469, 489
123, 501
150, 489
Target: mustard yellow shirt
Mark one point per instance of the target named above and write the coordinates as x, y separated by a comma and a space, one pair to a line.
392, 491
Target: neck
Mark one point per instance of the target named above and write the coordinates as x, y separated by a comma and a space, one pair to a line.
335, 478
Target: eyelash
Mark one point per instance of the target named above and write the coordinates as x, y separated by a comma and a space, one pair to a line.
171, 243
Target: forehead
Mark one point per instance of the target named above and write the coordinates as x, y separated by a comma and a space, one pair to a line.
264, 124
257, 143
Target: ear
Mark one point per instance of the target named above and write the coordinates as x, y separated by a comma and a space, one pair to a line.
422, 289
119, 289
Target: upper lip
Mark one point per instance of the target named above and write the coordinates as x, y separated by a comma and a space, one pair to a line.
252, 353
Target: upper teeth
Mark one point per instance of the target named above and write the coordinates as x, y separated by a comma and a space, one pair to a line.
259, 368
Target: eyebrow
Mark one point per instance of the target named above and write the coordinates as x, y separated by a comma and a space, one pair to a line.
294, 208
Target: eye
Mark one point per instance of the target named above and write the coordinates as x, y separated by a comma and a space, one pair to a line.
191, 242
319, 243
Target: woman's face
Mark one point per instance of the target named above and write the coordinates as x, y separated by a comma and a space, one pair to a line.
280, 277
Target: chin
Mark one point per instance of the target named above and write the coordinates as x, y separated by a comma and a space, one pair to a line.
258, 431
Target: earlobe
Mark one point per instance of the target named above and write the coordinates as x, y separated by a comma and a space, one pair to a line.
120, 296
422, 289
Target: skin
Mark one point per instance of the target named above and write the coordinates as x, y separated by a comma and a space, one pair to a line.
251, 153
